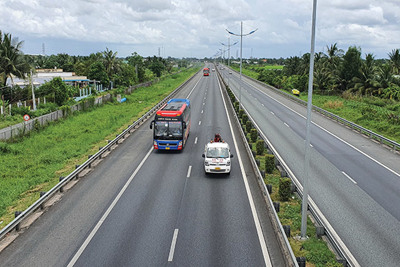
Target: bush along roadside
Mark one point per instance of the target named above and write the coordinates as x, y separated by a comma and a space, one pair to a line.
29, 165
313, 251
46, 113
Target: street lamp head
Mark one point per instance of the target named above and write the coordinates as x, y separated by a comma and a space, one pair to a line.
253, 31
232, 33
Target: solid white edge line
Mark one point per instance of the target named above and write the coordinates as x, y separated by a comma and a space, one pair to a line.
318, 211
340, 139
173, 243
351, 179
189, 171
193, 88
105, 215
261, 239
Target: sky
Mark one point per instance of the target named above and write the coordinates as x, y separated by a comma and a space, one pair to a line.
193, 28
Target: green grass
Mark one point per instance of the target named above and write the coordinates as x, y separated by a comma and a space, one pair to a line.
34, 163
9, 120
272, 67
314, 249
383, 119
381, 116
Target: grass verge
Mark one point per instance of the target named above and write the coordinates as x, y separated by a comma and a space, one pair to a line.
381, 116
35, 162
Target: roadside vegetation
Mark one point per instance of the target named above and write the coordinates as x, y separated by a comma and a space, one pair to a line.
35, 162
365, 91
314, 250
105, 67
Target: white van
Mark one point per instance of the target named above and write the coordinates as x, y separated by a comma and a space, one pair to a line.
217, 158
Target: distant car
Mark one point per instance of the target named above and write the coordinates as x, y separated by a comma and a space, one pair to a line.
230, 72
217, 158
213, 70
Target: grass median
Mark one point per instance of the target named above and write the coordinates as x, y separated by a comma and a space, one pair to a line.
34, 163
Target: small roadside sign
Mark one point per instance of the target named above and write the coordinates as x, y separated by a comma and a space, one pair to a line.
26, 117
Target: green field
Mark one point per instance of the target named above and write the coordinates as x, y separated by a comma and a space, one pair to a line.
34, 163
381, 116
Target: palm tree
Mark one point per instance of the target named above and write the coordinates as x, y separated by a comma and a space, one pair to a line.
366, 83
12, 61
385, 77
394, 57
110, 62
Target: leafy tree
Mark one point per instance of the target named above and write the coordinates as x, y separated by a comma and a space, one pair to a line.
126, 76
97, 72
292, 66
350, 67
58, 89
156, 65
137, 61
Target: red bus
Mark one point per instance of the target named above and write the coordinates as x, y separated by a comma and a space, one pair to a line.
206, 72
172, 125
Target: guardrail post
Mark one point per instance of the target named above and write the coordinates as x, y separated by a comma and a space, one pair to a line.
42, 193
269, 188
301, 261
90, 164
61, 188
320, 230
286, 229
100, 148
276, 206
76, 167
16, 214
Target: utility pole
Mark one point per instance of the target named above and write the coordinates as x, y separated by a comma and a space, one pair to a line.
33, 93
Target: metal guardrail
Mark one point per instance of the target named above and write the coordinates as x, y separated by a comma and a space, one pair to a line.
87, 164
381, 139
277, 222
313, 208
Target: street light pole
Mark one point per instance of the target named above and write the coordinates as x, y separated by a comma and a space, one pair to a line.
308, 128
241, 45
229, 49
33, 93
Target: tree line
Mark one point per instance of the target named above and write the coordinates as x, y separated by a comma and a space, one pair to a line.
105, 67
338, 72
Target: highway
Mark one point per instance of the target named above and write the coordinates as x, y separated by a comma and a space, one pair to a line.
141, 207
354, 181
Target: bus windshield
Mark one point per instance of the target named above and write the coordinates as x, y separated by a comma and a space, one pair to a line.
168, 130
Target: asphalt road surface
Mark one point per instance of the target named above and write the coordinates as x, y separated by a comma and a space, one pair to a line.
354, 181
141, 207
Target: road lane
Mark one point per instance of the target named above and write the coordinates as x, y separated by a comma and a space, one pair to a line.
363, 213
168, 203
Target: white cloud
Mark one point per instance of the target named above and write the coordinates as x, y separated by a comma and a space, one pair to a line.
196, 28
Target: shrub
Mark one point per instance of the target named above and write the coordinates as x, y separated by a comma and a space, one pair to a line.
245, 118
241, 112
249, 126
284, 189
22, 111
269, 163
260, 147
236, 105
253, 135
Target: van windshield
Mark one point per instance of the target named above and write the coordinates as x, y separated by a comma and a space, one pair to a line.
217, 152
